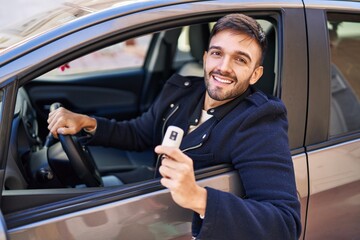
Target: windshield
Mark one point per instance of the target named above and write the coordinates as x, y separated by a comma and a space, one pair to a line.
22, 19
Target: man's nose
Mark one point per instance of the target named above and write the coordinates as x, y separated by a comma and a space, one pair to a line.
225, 64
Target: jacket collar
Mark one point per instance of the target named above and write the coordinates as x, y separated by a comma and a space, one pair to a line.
218, 112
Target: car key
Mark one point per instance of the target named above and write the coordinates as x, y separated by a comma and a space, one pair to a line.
173, 137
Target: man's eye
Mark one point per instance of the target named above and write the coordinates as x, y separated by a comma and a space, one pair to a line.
215, 53
241, 60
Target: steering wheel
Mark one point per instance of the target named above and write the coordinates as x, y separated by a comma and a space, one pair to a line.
79, 156
81, 161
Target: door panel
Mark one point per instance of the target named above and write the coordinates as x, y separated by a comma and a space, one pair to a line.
114, 95
90, 100
334, 206
302, 183
149, 216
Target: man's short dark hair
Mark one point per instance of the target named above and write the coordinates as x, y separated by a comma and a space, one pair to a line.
243, 24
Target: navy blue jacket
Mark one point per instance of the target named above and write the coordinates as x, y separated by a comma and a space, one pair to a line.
251, 135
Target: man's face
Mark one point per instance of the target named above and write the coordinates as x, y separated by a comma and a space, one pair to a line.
230, 65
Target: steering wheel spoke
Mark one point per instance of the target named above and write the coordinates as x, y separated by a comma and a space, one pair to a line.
81, 161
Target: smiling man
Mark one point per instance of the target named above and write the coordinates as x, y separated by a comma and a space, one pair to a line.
231, 65
225, 120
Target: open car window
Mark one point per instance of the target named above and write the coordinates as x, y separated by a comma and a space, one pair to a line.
118, 81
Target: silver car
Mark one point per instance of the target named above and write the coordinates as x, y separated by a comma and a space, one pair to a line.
111, 59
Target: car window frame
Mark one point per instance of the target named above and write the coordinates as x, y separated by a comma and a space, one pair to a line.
317, 133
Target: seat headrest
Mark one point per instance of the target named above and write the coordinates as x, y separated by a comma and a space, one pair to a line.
199, 40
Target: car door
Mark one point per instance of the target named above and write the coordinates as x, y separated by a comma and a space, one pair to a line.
333, 128
145, 210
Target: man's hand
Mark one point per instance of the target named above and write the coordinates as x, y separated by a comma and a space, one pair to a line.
63, 121
178, 176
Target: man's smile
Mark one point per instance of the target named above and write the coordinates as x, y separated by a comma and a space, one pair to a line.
222, 79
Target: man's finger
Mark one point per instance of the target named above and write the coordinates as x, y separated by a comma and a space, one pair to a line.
53, 119
170, 163
171, 152
167, 182
66, 131
163, 172
167, 171
62, 131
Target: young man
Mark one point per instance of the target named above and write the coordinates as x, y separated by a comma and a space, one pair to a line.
225, 120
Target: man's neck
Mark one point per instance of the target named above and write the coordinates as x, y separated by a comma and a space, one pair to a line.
212, 103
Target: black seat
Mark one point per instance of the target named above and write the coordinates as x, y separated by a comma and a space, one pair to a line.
267, 81
199, 41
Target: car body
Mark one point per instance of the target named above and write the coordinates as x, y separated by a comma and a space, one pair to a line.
312, 64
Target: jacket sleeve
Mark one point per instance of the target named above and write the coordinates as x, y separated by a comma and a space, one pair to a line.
135, 134
145, 131
270, 209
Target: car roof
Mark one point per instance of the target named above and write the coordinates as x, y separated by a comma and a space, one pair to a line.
71, 11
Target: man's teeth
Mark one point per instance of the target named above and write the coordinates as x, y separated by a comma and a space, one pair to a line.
222, 80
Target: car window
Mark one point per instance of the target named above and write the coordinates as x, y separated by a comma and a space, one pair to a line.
344, 33
100, 94
89, 85
127, 54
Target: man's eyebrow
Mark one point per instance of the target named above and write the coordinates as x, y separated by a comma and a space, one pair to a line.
242, 53
215, 47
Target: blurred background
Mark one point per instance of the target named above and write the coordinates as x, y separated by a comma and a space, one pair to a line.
14, 11
20, 19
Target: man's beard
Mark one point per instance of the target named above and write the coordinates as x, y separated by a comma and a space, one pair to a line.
218, 94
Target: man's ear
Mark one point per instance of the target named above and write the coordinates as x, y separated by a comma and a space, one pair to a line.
256, 75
